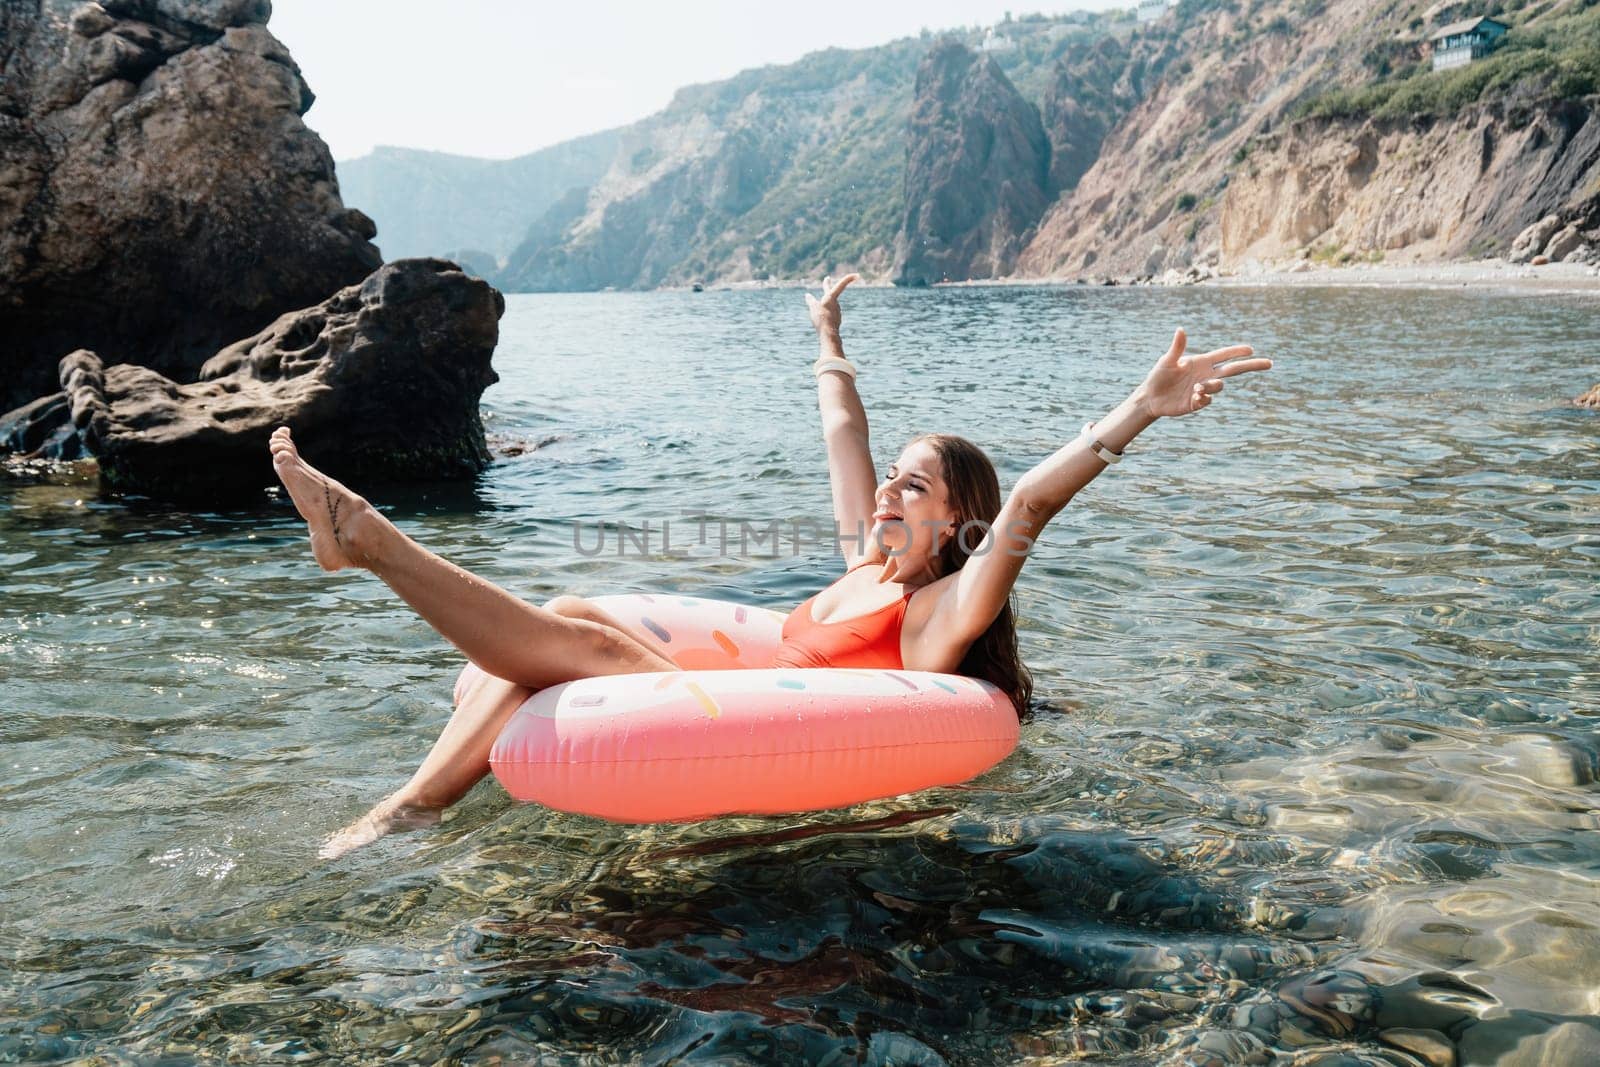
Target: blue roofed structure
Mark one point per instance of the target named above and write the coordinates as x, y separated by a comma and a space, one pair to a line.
1460, 43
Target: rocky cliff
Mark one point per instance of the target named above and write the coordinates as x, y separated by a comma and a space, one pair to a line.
773, 173
1095, 83
1233, 156
1195, 91
977, 171
1444, 189
821, 166
159, 194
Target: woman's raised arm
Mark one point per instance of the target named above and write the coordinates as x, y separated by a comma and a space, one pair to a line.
844, 426
1177, 385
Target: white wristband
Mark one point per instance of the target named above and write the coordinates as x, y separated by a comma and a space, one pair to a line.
1105, 454
828, 363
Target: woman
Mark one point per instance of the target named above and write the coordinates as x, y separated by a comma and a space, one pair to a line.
932, 555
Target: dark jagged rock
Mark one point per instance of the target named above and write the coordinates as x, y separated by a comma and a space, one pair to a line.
977, 171
379, 382
159, 194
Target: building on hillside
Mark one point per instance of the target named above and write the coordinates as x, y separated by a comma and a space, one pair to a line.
996, 42
1460, 43
1150, 10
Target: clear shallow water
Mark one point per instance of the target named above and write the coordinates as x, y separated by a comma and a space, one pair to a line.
1316, 764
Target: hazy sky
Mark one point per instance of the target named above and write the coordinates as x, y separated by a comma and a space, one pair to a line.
498, 79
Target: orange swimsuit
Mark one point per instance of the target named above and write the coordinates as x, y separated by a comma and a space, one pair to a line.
867, 641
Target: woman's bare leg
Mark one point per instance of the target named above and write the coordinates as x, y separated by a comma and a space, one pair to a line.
520, 647
506, 637
459, 758
455, 763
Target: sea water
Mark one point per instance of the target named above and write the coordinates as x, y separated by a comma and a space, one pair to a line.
1313, 765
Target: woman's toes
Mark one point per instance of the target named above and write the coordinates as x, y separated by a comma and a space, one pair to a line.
320, 502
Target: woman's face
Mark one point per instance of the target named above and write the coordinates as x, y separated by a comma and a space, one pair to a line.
913, 518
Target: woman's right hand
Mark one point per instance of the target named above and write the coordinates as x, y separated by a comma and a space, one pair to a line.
1182, 385
825, 312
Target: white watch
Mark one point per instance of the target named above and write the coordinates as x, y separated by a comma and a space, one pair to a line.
1104, 454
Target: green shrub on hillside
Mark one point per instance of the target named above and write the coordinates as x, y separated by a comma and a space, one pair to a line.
1355, 103
1559, 58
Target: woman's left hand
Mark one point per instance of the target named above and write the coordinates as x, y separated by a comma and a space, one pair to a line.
1181, 385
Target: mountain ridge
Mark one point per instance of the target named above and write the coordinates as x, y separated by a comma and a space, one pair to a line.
1213, 136
466, 203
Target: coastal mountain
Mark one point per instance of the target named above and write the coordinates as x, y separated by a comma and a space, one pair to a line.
765, 175
434, 203
1215, 133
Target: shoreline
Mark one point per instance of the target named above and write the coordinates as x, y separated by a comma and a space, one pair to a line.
1488, 275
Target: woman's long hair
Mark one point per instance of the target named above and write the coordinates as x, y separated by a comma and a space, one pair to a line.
975, 495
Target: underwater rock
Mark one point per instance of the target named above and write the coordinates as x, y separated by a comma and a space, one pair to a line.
1530, 1039
1435, 1001
380, 382
1222, 1048
1429, 1046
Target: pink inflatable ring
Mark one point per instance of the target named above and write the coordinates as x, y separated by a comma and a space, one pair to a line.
727, 734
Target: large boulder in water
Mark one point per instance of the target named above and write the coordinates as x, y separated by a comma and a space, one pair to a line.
380, 382
159, 193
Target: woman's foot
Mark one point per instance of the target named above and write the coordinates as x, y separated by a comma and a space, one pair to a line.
338, 518
389, 817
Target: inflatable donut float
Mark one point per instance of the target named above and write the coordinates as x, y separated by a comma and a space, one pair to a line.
728, 734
